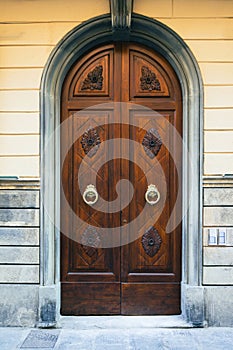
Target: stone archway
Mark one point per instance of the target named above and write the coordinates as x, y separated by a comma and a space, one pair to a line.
167, 43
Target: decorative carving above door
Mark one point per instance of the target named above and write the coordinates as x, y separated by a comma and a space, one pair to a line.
151, 79
94, 79
121, 11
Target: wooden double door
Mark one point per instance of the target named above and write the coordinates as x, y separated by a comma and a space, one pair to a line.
122, 261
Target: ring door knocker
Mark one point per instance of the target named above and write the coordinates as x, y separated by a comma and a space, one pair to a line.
90, 195
152, 195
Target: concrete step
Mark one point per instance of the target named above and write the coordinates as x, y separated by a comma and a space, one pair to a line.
122, 322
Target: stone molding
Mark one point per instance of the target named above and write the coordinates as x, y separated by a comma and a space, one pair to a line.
157, 36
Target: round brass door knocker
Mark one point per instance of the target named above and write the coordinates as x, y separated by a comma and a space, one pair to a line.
152, 195
90, 195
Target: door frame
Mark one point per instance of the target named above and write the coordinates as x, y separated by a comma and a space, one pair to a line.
80, 40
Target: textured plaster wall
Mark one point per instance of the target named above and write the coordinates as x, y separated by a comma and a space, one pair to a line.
30, 30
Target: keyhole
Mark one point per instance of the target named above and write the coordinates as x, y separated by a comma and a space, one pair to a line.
151, 242
90, 142
90, 240
152, 143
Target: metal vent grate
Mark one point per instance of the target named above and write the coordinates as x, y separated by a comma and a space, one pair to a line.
38, 339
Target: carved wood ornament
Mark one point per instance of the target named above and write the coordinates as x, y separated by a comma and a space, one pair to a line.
152, 143
94, 79
151, 241
90, 242
90, 142
149, 81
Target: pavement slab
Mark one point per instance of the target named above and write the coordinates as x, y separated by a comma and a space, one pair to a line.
117, 339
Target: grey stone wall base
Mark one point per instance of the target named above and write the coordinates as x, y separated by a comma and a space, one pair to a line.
48, 313
18, 305
24, 305
219, 306
193, 305
212, 305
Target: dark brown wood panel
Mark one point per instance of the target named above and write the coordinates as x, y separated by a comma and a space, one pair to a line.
90, 298
150, 299
89, 275
142, 277
139, 259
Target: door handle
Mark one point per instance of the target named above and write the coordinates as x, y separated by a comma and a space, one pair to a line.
90, 195
152, 195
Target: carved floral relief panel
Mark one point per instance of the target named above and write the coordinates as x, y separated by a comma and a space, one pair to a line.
152, 143
151, 241
147, 78
94, 78
90, 142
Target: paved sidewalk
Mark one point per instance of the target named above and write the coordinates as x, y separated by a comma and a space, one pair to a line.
117, 339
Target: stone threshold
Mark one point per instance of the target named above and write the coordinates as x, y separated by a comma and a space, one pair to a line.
122, 322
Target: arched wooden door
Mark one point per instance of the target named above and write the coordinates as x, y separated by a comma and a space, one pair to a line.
142, 277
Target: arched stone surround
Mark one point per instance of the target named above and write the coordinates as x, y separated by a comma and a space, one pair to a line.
157, 36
